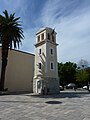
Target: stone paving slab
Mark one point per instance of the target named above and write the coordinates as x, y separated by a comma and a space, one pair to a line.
68, 105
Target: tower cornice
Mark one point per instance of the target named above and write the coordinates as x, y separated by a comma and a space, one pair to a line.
52, 42
40, 43
44, 41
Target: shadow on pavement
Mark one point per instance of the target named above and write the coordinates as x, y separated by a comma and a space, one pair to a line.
64, 94
53, 102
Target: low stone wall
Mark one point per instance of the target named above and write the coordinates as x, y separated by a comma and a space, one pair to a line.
48, 85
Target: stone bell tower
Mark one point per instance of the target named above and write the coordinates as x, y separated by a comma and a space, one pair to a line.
45, 79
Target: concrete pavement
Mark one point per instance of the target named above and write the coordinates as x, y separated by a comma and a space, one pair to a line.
68, 105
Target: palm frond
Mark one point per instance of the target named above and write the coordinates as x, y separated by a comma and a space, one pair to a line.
11, 29
6, 14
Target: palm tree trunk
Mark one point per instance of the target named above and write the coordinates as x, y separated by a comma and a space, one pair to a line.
3, 68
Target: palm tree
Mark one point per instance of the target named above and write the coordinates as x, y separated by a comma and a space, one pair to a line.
11, 34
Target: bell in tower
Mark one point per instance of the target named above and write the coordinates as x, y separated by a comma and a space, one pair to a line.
45, 79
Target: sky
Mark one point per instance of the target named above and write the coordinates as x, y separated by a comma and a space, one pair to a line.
70, 18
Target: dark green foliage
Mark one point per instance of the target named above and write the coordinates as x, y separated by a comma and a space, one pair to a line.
83, 76
67, 72
88, 71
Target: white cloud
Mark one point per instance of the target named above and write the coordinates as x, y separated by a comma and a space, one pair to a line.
75, 37
11, 5
73, 29
19, 7
70, 18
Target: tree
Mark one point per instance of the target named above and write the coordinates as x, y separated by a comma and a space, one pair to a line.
82, 64
67, 72
83, 73
82, 76
88, 71
11, 34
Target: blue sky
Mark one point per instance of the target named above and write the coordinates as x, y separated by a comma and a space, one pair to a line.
70, 18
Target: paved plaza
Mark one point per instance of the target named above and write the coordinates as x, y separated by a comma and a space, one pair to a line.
68, 105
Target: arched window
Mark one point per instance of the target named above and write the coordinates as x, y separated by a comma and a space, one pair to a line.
42, 36
39, 65
51, 51
48, 36
38, 38
51, 65
39, 51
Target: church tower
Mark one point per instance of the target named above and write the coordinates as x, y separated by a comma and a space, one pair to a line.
45, 79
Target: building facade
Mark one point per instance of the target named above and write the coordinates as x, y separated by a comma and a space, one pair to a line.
19, 71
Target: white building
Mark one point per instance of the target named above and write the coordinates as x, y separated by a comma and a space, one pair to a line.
46, 71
